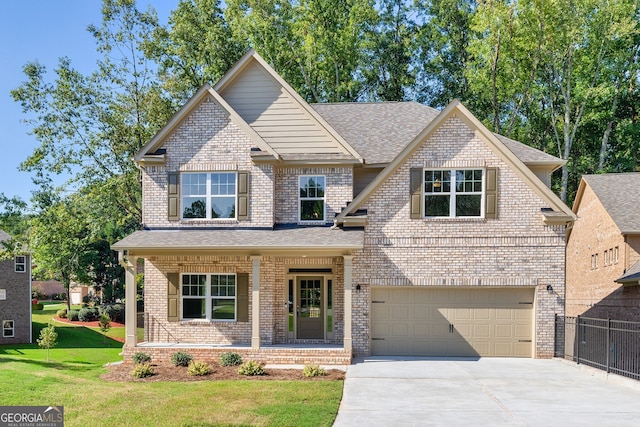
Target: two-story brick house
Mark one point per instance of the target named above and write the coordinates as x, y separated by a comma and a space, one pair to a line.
15, 298
301, 233
603, 248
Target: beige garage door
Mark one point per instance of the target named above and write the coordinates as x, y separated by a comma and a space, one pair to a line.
451, 322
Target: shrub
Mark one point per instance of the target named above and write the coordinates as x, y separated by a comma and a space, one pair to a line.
180, 359
38, 306
197, 368
313, 371
230, 359
251, 368
73, 315
114, 311
62, 313
141, 357
142, 370
88, 314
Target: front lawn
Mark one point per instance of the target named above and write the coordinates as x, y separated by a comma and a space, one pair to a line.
71, 379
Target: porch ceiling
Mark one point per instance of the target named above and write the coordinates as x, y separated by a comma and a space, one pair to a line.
296, 241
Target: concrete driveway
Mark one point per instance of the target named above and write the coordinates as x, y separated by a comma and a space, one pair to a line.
484, 392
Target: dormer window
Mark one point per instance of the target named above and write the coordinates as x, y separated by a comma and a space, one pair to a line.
209, 195
312, 198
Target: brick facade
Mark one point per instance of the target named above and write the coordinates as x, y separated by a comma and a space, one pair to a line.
208, 141
591, 287
17, 305
516, 249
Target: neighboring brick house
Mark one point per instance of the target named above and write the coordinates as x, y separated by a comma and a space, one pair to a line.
603, 248
15, 298
300, 233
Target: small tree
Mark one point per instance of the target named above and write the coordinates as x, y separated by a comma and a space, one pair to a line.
105, 325
48, 338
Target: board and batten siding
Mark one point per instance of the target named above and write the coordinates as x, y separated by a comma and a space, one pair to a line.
275, 115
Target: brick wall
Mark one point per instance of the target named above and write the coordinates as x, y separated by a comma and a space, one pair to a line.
273, 299
339, 188
592, 290
516, 249
17, 306
208, 140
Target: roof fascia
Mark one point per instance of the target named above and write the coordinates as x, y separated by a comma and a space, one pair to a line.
494, 143
252, 54
579, 194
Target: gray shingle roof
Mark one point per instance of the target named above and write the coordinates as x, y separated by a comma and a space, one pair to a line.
4, 236
377, 131
240, 239
380, 131
631, 275
528, 154
619, 194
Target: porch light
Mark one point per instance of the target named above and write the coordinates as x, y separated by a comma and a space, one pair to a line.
436, 183
358, 287
550, 289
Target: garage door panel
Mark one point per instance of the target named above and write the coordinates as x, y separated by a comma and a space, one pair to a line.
452, 322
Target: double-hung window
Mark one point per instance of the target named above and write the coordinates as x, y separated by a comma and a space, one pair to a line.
453, 193
209, 296
312, 198
7, 328
21, 264
209, 195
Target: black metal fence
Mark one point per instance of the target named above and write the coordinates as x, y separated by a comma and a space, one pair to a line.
610, 345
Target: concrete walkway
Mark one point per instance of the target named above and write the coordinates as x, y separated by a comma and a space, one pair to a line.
484, 392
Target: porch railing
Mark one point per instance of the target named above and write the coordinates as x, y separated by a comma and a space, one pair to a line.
610, 345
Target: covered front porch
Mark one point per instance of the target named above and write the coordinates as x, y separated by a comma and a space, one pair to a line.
298, 293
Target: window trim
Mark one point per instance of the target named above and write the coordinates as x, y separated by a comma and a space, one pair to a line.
5, 329
323, 198
452, 194
209, 298
208, 196
23, 264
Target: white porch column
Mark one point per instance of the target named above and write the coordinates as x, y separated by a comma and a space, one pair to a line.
255, 303
130, 307
348, 286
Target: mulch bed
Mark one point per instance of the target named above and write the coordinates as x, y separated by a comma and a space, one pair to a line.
93, 324
121, 372
167, 372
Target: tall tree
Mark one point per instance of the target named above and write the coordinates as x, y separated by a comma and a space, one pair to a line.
568, 44
196, 47
442, 48
389, 64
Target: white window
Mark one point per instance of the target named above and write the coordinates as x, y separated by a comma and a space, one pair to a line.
7, 328
209, 296
312, 198
21, 264
454, 193
617, 254
209, 195
605, 258
3, 294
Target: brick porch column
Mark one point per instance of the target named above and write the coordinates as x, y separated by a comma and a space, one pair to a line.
255, 303
348, 285
130, 307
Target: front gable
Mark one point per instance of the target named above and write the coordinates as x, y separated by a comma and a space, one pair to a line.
469, 146
276, 112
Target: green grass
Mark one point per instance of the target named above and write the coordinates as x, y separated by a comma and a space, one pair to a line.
71, 379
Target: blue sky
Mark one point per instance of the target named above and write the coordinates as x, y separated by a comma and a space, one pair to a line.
42, 30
